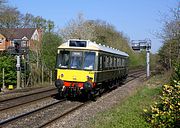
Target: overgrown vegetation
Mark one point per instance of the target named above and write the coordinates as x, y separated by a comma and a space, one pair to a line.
129, 113
166, 113
8, 63
169, 54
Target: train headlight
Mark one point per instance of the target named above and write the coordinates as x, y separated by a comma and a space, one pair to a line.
62, 75
89, 78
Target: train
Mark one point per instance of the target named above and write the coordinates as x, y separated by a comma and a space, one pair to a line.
85, 68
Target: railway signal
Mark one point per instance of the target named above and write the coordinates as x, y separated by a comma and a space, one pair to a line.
17, 47
138, 45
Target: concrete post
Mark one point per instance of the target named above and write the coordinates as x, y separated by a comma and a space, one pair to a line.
3, 87
148, 63
18, 72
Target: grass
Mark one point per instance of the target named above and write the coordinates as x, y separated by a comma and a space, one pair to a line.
129, 114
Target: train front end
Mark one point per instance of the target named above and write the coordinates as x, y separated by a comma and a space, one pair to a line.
75, 69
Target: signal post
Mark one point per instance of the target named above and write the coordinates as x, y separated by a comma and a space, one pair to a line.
18, 50
18, 66
138, 45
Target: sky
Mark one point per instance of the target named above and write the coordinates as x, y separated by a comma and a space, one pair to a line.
137, 19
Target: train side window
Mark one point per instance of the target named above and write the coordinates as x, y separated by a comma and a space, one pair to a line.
110, 62
120, 62
115, 62
123, 62
100, 62
104, 62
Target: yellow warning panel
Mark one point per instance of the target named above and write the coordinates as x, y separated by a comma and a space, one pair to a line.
10, 87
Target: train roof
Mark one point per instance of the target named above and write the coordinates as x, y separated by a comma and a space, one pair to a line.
89, 45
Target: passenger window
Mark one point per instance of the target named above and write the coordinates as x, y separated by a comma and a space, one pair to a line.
120, 62
110, 62
106, 62
115, 62
123, 62
100, 63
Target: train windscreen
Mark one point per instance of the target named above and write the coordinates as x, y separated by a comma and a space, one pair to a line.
89, 60
62, 60
76, 60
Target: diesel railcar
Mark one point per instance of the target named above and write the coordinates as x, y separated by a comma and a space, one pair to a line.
85, 68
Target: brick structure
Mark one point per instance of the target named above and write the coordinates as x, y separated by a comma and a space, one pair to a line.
31, 37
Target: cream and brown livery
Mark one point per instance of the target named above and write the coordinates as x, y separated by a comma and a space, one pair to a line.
86, 68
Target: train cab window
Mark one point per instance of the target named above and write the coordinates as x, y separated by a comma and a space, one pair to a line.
89, 60
75, 43
63, 59
76, 60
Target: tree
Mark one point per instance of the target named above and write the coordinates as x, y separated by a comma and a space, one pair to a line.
27, 20
77, 28
2, 5
10, 18
170, 51
50, 26
50, 43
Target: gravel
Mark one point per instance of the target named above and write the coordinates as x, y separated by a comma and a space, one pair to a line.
80, 118
8, 94
25, 108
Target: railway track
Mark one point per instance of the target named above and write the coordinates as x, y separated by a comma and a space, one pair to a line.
25, 99
56, 111
131, 77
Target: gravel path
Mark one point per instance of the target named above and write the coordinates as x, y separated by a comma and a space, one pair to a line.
80, 118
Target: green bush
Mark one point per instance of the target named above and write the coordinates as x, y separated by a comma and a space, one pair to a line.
176, 73
166, 114
9, 64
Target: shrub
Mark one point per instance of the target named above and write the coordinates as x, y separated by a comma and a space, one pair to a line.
176, 73
9, 64
166, 114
